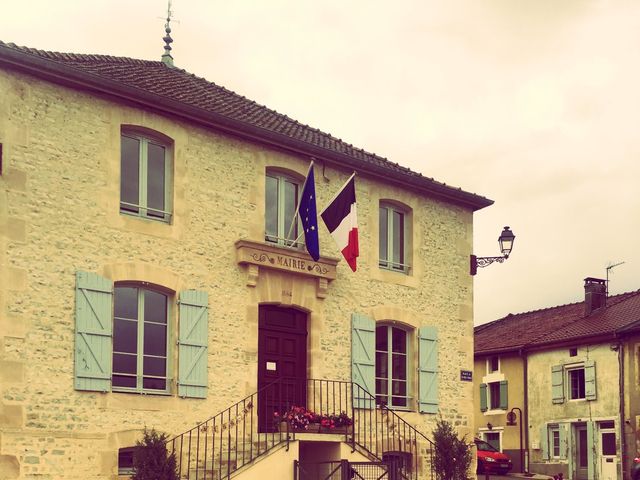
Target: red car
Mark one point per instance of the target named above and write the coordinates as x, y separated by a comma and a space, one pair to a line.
491, 460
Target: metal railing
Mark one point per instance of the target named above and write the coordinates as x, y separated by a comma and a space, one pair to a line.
237, 436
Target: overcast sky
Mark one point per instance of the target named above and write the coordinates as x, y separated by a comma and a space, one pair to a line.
532, 103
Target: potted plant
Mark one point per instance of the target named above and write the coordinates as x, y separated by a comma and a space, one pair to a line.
297, 418
340, 423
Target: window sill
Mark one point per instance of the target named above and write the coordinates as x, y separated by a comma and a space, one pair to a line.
142, 392
495, 411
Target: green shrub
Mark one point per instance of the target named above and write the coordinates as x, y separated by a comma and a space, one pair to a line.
150, 458
453, 455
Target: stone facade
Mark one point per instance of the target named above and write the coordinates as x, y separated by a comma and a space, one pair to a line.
578, 420
59, 214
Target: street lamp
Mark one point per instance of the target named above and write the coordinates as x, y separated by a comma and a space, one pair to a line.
505, 240
511, 421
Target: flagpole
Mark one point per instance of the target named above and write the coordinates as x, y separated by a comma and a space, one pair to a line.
338, 193
295, 215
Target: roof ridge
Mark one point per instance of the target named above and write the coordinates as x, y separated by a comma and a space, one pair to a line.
81, 57
618, 297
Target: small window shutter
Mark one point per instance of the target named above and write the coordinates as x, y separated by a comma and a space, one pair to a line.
428, 369
94, 298
363, 354
193, 344
544, 441
590, 450
590, 380
563, 441
483, 397
503, 395
557, 384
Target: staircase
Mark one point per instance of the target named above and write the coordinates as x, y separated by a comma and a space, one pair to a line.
235, 438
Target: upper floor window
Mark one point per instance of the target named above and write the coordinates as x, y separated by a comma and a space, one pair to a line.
493, 364
140, 339
576, 383
494, 395
393, 238
281, 199
392, 386
145, 177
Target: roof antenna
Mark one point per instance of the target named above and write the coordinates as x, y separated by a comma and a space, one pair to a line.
167, 59
609, 267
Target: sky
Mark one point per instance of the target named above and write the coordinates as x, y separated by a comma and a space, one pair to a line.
532, 103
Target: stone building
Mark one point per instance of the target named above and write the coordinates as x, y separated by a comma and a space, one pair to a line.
573, 372
149, 277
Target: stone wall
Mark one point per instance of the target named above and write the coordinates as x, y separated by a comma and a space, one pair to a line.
59, 213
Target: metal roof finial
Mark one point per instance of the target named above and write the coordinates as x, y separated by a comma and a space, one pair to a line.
167, 59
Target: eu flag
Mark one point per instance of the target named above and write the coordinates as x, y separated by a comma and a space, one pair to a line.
308, 215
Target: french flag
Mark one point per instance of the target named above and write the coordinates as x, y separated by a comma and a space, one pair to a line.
341, 219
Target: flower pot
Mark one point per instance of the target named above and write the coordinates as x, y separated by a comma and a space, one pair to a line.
344, 430
311, 428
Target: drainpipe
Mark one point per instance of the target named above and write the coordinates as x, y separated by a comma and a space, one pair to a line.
623, 432
525, 421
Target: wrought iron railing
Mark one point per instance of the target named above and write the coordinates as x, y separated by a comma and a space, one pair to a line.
237, 436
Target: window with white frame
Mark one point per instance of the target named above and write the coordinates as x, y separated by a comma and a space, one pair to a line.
553, 432
281, 199
493, 439
140, 339
574, 381
494, 395
576, 385
392, 347
392, 239
493, 364
145, 176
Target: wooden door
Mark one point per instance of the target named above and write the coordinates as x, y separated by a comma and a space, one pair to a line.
282, 362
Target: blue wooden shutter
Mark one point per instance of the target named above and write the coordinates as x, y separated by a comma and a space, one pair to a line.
428, 370
590, 380
483, 397
544, 441
363, 355
563, 441
557, 384
504, 395
193, 344
94, 326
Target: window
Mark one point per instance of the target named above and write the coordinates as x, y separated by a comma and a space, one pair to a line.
493, 364
576, 383
140, 339
493, 395
573, 352
554, 441
391, 366
281, 200
125, 461
392, 238
122, 338
145, 176
493, 439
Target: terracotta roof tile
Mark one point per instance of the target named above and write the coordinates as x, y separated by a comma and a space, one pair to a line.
557, 324
155, 78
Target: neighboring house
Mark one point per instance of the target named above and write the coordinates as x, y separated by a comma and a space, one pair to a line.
150, 275
579, 363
